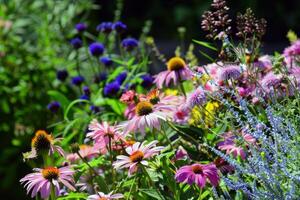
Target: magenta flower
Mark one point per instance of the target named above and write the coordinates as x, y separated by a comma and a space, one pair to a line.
181, 154
198, 173
177, 71
223, 166
102, 196
231, 148
181, 115
43, 179
137, 154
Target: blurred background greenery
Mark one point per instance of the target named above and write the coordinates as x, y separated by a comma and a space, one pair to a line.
34, 42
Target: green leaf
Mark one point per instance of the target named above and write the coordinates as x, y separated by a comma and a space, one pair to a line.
73, 196
152, 193
206, 44
71, 105
206, 56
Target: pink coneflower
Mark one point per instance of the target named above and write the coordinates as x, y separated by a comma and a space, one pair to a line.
180, 154
137, 154
147, 116
85, 151
223, 166
128, 97
102, 196
198, 173
103, 134
43, 142
229, 72
85, 182
231, 148
197, 97
177, 71
44, 179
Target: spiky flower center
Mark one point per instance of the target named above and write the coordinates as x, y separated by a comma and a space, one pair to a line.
197, 169
175, 63
50, 173
136, 156
103, 198
41, 141
144, 108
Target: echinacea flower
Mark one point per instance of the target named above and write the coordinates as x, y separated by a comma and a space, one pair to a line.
129, 44
42, 142
62, 74
197, 97
44, 179
198, 174
138, 153
229, 72
96, 49
54, 106
181, 115
128, 97
146, 116
85, 151
181, 154
223, 166
231, 148
76, 43
177, 71
102, 196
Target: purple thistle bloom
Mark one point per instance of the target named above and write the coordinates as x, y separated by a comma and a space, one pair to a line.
100, 77
270, 81
53, 106
62, 74
77, 80
121, 77
196, 98
42, 180
129, 44
105, 27
198, 173
96, 49
76, 43
120, 27
80, 27
111, 89
84, 97
106, 61
94, 109
229, 72
86, 90
147, 80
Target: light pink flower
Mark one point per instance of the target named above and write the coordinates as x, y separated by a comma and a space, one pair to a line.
177, 71
137, 154
147, 116
198, 173
102, 196
181, 115
85, 151
128, 97
231, 148
43, 179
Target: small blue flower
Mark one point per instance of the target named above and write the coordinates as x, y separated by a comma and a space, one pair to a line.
84, 97
94, 109
80, 27
106, 61
111, 89
53, 106
96, 49
86, 90
76, 43
129, 44
121, 77
62, 74
100, 77
147, 80
105, 27
119, 27
77, 80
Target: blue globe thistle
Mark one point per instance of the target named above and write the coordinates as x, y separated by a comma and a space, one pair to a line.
96, 49
121, 77
100, 77
105, 27
84, 97
106, 61
119, 27
129, 44
111, 89
86, 90
76, 43
77, 80
53, 106
147, 80
62, 75
80, 27
94, 109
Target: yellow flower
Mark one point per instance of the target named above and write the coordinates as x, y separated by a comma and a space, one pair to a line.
171, 92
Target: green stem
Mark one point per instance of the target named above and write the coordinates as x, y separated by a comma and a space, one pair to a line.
52, 193
150, 181
131, 187
111, 161
182, 88
166, 136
